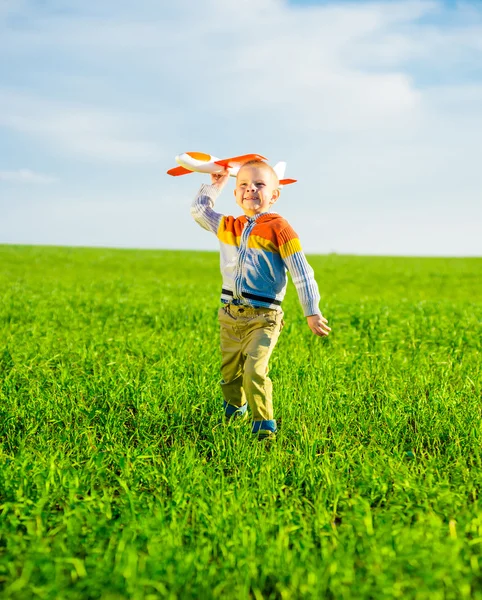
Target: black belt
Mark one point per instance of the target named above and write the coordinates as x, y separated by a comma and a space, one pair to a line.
253, 297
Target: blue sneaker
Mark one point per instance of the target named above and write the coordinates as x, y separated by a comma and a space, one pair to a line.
265, 430
234, 412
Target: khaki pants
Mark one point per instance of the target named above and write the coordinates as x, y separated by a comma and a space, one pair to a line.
248, 336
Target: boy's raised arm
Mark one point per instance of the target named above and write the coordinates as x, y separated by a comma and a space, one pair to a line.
202, 209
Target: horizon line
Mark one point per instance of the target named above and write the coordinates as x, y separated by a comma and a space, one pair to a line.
134, 249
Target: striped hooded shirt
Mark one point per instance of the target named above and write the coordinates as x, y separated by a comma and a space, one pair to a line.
256, 253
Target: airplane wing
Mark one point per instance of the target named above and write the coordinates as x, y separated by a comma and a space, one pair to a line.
177, 171
237, 161
287, 181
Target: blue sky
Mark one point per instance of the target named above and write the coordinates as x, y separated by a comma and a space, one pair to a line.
376, 107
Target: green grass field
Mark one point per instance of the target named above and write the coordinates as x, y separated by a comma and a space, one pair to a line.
116, 480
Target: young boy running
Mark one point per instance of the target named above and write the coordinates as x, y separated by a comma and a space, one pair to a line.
256, 251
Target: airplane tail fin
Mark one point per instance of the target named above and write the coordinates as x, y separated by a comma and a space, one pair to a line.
280, 169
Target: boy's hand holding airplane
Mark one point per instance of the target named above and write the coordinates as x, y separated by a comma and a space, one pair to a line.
219, 180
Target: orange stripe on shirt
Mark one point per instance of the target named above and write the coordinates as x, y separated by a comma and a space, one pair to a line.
230, 230
267, 232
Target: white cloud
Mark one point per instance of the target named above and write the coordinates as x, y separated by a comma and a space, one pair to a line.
26, 176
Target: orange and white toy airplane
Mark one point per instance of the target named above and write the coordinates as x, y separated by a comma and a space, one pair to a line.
205, 163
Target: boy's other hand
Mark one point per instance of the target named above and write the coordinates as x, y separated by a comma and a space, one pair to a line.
318, 325
220, 179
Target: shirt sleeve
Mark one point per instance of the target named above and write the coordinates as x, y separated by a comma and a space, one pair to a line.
301, 272
202, 209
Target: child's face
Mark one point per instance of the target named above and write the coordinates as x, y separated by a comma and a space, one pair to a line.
256, 189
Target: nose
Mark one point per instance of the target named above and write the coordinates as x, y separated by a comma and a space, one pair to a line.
251, 187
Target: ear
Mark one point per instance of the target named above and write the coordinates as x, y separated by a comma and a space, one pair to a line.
275, 196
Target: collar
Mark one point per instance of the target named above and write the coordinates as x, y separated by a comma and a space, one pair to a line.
258, 216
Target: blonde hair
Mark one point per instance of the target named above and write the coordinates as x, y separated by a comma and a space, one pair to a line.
261, 163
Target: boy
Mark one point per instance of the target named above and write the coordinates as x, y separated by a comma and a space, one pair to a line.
256, 250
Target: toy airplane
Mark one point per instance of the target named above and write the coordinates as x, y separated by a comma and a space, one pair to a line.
205, 163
